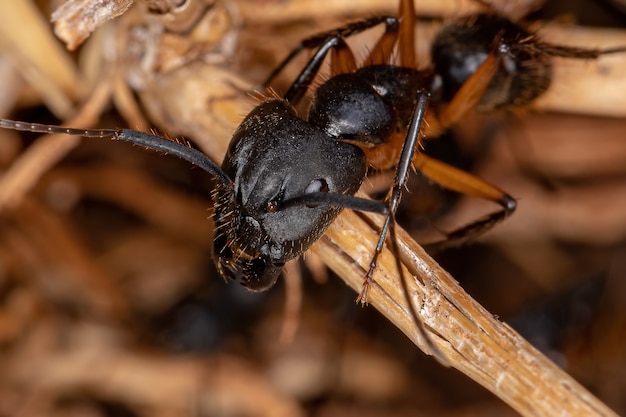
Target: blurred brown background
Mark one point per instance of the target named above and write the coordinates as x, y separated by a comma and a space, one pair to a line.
110, 305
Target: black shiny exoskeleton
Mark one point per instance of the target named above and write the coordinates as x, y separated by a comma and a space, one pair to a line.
287, 175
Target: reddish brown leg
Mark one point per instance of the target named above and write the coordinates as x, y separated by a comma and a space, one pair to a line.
467, 98
342, 60
381, 53
465, 183
401, 31
406, 41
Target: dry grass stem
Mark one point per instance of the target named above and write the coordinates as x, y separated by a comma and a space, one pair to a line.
26, 35
473, 341
278, 12
76, 19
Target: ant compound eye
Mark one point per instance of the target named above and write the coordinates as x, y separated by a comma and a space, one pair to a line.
272, 206
319, 185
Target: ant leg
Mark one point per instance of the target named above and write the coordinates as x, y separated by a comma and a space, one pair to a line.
381, 53
406, 41
374, 206
318, 40
468, 96
465, 183
345, 61
342, 60
399, 183
305, 78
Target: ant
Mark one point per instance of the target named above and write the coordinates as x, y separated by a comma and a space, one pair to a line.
286, 176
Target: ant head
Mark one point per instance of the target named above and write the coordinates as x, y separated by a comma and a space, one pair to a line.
237, 241
276, 161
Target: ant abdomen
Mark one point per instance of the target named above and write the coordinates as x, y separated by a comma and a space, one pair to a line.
525, 70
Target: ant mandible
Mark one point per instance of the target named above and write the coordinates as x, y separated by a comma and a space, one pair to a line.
286, 177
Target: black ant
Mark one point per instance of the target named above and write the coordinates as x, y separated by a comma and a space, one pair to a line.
286, 177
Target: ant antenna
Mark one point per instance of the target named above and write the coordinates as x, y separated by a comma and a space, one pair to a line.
577, 52
150, 141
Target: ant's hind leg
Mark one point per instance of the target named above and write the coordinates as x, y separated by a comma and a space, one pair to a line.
465, 183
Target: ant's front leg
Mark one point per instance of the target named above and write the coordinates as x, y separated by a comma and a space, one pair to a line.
399, 183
